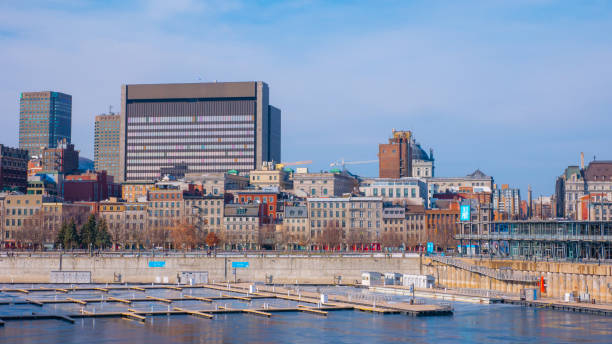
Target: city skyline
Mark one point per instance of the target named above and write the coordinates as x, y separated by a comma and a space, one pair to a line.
519, 101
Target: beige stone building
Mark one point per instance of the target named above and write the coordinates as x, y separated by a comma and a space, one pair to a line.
165, 207
20, 211
325, 184
359, 218
241, 226
269, 176
204, 212
217, 184
295, 231
394, 233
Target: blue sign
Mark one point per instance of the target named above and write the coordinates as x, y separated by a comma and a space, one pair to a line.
430, 247
240, 265
465, 213
157, 264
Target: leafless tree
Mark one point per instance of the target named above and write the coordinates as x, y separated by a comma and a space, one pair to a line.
331, 236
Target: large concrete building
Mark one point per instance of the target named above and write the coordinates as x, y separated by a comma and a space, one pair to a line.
209, 127
13, 168
107, 151
44, 119
405, 190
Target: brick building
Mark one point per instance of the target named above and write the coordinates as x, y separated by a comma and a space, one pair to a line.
90, 186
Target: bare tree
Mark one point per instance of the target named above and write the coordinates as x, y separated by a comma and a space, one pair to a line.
331, 236
183, 236
357, 237
32, 233
391, 240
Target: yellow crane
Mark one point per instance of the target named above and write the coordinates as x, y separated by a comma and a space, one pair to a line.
282, 165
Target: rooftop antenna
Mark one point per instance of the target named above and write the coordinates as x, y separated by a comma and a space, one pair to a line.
110, 109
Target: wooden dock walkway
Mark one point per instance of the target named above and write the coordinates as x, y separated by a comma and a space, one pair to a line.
597, 309
312, 299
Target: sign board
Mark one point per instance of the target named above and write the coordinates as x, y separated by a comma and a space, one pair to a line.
430, 247
70, 277
240, 265
465, 213
157, 264
193, 277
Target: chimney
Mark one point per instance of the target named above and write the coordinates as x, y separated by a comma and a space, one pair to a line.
581, 160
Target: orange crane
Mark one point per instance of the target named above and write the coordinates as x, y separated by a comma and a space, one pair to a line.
282, 165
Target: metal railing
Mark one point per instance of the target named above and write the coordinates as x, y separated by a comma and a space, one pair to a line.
501, 275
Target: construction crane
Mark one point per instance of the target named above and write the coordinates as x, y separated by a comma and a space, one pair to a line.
282, 165
341, 163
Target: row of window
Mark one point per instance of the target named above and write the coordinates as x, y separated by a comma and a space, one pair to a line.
208, 160
354, 205
201, 134
181, 139
206, 165
229, 125
192, 119
399, 192
138, 150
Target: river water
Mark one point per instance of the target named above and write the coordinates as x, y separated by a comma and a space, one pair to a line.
471, 323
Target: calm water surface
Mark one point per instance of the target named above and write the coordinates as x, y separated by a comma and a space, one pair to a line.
471, 323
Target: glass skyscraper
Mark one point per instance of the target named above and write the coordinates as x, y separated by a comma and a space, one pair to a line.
44, 119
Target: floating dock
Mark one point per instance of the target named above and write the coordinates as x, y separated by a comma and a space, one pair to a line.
336, 303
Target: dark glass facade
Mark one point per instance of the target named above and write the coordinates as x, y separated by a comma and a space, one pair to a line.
44, 119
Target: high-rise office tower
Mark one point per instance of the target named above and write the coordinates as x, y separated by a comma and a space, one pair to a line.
207, 127
44, 119
107, 151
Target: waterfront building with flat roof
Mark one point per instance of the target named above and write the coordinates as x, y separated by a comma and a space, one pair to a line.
208, 127
44, 119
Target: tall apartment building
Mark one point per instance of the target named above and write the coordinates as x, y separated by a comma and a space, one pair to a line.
107, 150
209, 127
13, 168
404, 157
44, 119
506, 203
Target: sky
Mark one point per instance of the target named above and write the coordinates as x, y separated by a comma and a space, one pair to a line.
515, 88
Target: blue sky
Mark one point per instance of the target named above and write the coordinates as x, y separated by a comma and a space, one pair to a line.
515, 88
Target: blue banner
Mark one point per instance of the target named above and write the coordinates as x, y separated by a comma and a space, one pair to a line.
157, 264
240, 265
465, 213
430, 247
